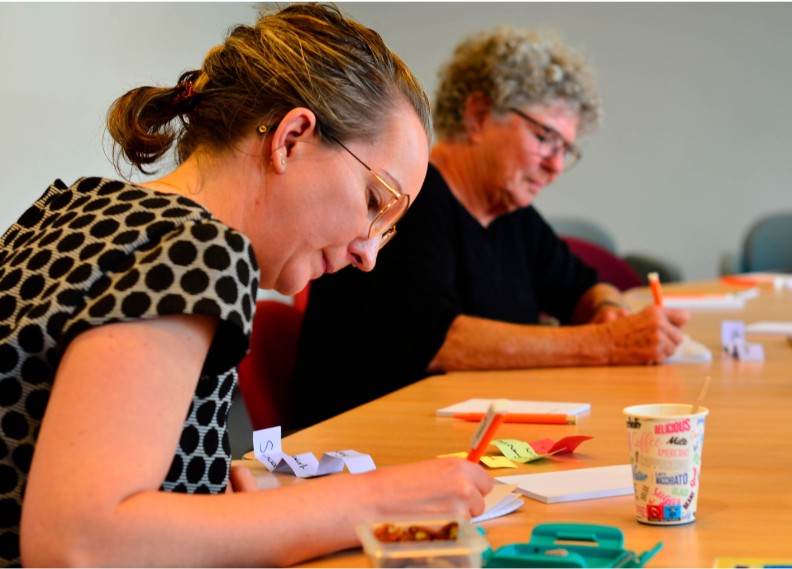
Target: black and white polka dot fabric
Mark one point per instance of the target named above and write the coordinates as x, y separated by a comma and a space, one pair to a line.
105, 251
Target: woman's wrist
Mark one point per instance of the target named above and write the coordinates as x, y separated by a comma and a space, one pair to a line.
609, 302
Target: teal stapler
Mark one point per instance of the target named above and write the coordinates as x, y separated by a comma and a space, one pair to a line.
569, 545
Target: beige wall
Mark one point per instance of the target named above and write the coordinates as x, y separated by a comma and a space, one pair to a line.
695, 143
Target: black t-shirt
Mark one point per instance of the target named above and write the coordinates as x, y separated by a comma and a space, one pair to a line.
366, 334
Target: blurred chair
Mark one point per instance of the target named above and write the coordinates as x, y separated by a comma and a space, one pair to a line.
582, 228
611, 268
265, 372
300, 300
767, 246
593, 232
645, 264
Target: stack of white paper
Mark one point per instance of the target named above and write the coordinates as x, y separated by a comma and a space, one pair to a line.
569, 485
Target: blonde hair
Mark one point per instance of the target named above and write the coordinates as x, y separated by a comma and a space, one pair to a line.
514, 68
305, 55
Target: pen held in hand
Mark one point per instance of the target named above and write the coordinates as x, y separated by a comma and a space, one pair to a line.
486, 429
535, 418
657, 290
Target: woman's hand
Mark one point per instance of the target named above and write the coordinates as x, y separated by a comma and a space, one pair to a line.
442, 486
647, 337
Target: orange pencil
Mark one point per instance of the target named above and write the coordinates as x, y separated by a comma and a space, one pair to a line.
657, 291
547, 418
486, 429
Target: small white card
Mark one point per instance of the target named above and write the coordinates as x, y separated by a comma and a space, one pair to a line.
732, 332
267, 449
734, 344
749, 352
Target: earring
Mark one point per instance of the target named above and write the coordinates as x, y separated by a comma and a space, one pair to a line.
283, 160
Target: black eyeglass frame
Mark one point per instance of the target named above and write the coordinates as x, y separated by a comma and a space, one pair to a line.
572, 154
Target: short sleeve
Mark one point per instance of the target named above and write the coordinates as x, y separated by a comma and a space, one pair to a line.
198, 267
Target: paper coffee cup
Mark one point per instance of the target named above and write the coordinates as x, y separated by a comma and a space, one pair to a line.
665, 453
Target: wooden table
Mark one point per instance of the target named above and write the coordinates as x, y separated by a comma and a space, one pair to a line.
745, 504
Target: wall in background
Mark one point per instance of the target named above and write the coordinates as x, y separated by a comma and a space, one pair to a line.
694, 146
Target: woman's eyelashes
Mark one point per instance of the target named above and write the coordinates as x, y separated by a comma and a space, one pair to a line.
374, 201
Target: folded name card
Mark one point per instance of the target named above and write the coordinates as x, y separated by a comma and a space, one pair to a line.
267, 449
734, 344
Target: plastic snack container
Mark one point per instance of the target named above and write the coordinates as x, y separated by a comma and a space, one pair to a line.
464, 551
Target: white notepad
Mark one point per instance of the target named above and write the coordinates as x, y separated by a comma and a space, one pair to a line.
724, 301
769, 327
515, 406
499, 502
690, 351
569, 485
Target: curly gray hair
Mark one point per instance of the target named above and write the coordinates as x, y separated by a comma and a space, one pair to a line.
514, 68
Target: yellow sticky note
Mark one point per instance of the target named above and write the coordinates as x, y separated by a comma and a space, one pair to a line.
519, 451
453, 454
498, 462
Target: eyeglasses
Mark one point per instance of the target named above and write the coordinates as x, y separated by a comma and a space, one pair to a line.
551, 142
385, 218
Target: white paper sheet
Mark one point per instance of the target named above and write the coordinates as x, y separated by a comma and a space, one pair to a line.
500, 501
579, 484
770, 327
515, 406
690, 351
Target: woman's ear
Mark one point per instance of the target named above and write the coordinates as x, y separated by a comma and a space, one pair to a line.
298, 125
477, 108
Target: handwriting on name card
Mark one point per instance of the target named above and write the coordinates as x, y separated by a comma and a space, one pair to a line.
267, 449
734, 344
749, 352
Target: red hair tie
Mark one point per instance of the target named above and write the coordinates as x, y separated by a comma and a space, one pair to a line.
186, 101
185, 92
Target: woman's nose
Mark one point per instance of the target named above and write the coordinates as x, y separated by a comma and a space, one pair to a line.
364, 253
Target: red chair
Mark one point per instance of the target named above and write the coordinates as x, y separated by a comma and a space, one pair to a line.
266, 371
611, 268
301, 298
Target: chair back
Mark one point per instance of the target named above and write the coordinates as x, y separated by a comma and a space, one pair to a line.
582, 228
266, 371
768, 244
611, 268
643, 264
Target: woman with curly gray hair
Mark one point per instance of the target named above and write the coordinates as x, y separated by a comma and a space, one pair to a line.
514, 68
475, 264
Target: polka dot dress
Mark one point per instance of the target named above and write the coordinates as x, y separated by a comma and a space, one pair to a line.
104, 251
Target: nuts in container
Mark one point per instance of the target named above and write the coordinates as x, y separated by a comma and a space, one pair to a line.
440, 542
